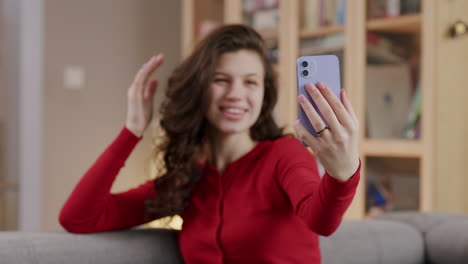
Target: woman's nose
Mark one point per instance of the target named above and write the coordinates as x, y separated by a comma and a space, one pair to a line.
235, 90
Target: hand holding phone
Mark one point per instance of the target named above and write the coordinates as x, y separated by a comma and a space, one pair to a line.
315, 69
336, 147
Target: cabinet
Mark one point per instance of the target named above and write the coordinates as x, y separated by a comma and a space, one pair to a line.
430, 168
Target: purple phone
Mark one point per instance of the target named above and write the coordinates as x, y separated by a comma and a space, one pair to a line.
315, 69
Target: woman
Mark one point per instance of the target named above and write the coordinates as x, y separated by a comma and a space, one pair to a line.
246, 192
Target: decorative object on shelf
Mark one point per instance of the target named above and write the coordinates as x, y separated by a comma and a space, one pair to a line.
458, 28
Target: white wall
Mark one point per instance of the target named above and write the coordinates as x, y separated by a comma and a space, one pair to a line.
61, 131
110, 39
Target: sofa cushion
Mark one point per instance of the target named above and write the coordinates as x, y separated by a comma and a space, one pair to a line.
130, 246
448, 242
371, 242
424, 222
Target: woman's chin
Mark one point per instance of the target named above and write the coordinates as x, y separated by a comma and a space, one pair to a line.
233, 129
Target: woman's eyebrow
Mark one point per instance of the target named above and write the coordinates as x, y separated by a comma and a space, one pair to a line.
222, 73
247, 74
252, 74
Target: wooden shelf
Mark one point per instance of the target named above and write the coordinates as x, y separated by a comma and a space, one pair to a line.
402, 24
392, 148
322, 31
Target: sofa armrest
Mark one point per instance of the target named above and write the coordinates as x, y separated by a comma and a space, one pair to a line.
448, 242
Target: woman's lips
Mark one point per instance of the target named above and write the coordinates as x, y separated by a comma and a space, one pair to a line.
233, 113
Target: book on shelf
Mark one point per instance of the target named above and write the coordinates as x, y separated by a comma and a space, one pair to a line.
322, 13
382, 50
410, 6
321, 45
261, 14
413, 123
265, 19
273, 55
250, 6
310, 14
392, 8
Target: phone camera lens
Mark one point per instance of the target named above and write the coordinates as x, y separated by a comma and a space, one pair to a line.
304, 64
305, 72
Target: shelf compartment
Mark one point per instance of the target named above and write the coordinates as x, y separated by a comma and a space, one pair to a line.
402, 24
392, 148
392, 184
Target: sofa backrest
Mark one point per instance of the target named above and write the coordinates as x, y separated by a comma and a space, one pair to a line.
155, 246
403, 238
371, 242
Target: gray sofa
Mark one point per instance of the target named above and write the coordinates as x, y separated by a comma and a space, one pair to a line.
396, 238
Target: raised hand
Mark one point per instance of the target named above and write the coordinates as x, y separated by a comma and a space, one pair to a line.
336, 146
140, 97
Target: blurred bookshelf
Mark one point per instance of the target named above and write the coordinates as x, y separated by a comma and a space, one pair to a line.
392, 132
388, 52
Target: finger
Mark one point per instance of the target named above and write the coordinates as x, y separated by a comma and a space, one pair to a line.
347, 104
336, 105
152, 66
145, 72
314, 118
324, 107
150, 89
303, 135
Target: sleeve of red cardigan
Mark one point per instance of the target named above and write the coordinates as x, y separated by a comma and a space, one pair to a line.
91, 207
320, 201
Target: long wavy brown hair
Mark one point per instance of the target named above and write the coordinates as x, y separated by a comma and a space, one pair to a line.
183, 122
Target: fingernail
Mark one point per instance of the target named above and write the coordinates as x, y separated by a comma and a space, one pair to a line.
301, 98
313, 87
321, 85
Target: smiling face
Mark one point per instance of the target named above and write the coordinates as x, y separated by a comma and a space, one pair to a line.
236, 92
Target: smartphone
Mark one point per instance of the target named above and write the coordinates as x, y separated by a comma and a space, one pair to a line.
315, 69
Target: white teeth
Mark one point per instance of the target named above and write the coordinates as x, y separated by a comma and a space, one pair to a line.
234, 110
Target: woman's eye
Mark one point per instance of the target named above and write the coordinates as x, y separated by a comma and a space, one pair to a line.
251, 82
220, 80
